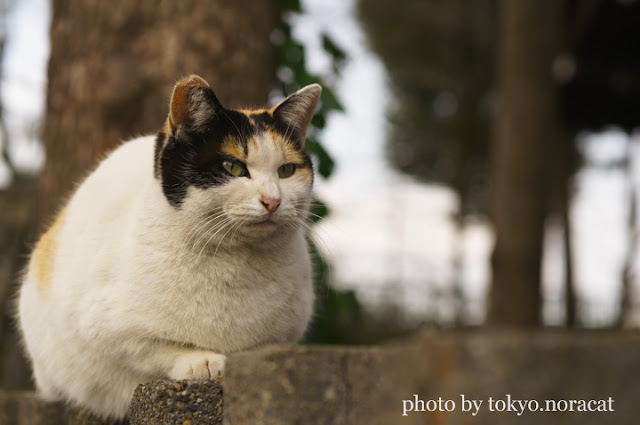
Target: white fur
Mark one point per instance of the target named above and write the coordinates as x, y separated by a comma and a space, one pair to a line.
142, 290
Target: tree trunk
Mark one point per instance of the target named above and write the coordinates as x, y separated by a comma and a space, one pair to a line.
571, 297
525, 128
565, 166
16, 226
627, 302
113, 65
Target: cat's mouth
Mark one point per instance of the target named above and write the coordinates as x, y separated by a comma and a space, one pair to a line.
261, 222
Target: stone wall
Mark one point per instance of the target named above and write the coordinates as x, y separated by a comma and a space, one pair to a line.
375, 385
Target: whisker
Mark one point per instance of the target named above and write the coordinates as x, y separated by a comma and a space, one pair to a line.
227, 223
199, 227
202, 223
237, 224
209, 234
233, 235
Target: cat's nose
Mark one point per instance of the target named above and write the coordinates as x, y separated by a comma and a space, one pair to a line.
271, 204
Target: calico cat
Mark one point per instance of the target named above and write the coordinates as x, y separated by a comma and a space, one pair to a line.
175, 252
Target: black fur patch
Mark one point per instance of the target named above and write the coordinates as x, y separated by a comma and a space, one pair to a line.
263, 120
193, 157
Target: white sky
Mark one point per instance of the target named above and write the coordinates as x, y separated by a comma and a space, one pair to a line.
388, 237
24, 80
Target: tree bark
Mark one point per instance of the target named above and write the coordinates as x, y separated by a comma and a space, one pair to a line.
113, 65
627, 302
565, 166
525, 129
571, 297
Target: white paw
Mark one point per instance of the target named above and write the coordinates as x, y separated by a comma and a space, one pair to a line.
198, 365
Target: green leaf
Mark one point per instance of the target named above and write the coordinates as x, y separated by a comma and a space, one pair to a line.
338, 56
290, 6
319, 121
330, 100
319, 210
325, 162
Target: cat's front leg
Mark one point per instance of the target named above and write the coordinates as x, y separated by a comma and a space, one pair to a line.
198, 365
156, 358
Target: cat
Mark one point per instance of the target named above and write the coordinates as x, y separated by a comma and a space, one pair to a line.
177, 251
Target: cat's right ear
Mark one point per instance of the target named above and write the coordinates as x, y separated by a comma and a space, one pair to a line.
296, 111
193, 104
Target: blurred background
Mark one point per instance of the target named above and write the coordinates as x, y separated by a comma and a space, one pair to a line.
477, 160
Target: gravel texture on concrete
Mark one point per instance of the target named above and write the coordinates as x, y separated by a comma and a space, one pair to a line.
187, 402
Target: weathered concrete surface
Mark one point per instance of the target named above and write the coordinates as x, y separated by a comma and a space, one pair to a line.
177, 402
367, 385
22, 408
312, 385
26, 408
534, 366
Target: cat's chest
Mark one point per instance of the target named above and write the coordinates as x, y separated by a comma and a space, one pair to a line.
227, 303
198, 279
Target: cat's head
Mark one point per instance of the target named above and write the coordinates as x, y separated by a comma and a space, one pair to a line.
242, 173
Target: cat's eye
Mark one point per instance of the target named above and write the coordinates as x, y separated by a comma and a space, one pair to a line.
235, 168
286, 170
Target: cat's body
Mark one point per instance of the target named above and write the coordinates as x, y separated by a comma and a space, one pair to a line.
163, 262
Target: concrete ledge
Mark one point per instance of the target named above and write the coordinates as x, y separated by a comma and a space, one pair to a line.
531, 366
367, 385
332, 385
21, 408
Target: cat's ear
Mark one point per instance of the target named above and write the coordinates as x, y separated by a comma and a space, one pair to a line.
193, 104
296, 111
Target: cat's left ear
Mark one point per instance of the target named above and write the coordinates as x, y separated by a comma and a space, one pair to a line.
296, 111
193, 104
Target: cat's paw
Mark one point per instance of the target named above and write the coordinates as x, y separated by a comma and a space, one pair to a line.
198, 365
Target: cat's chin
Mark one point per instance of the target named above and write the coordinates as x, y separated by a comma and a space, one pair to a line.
261, 224
263, 227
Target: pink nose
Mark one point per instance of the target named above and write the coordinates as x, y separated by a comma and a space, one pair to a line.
271, 204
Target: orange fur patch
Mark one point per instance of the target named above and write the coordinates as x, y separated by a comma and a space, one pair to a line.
44, 254
249, 112
167, 128
290, 152
231, 147
305, 171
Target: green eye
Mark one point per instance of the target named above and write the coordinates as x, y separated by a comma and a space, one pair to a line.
286, 170
235, 168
